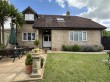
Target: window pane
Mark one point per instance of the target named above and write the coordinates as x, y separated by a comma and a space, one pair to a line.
45, 38
24, 36
31, 16
80, 36
26, 17
76, 36
71, 36
49, 38
29, 36
84, 36
33, 36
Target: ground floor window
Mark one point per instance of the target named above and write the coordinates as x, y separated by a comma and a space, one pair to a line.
28, 36
78, 35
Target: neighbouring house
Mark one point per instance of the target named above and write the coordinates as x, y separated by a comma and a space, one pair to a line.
55, 30
6, 36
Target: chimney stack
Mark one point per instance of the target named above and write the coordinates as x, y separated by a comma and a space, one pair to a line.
67, 13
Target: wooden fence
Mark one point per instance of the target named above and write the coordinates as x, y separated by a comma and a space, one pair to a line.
106, 42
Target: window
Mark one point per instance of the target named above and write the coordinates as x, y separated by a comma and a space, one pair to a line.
78, 36
71, 35
28, 37
29, 17
84, 36
60, 20
49, 19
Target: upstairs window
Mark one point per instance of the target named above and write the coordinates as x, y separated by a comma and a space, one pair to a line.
49, 19
60, 20
29, 17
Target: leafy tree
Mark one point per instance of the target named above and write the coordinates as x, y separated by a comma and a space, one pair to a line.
4, 10
106, 33
9, 10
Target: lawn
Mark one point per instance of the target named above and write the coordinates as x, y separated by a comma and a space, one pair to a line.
76, 68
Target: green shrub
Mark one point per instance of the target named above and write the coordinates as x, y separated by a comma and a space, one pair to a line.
63, 48
76, 48
83, 48
36, 42
92, 48
71, 48
28, 60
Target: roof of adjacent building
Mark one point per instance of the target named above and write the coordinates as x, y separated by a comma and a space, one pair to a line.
65, 22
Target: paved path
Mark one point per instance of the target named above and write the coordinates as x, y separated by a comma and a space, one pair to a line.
9, 70
15, 71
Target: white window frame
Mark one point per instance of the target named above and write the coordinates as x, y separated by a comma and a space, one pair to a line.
28, 17
78, 36
82, 35
27, 36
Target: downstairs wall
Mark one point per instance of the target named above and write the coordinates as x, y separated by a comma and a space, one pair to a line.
61, 37
25, 28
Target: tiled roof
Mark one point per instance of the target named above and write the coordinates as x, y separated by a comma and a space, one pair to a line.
70, 22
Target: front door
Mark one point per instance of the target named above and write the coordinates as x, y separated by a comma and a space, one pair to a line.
46, 40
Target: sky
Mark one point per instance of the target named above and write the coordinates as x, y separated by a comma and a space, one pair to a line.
96, 10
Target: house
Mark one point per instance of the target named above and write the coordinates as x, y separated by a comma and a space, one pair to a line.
55, 30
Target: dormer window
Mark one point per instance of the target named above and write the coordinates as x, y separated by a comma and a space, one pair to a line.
29, 17
60, 20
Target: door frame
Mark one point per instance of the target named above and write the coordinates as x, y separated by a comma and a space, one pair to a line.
46, 32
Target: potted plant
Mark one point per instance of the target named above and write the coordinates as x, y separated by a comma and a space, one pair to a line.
28, 63
36, 42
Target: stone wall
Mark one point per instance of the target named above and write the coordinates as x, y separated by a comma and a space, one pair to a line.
25, 28
60, 37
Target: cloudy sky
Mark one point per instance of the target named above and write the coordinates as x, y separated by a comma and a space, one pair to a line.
97, 10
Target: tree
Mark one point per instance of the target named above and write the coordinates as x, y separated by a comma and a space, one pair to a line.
19, 21
5, 11
9, 10
106, 33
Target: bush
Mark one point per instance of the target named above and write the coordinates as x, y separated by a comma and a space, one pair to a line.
83, 48
36, 42
91, 48
76, 48
63, 48
28, 60
71, 48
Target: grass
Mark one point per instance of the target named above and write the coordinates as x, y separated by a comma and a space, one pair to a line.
76, 68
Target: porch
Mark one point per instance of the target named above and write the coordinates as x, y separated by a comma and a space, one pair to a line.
45, 38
